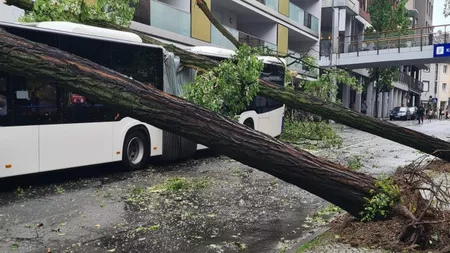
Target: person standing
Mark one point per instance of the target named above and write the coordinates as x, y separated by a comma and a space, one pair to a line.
364, 107
420, 113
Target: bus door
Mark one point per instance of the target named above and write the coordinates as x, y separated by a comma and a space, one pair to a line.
18, 141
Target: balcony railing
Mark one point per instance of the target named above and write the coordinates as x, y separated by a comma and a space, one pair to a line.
418, 37
219, 40
168, 18
273, 4
413, 84
302, 17
353, 5
255, 41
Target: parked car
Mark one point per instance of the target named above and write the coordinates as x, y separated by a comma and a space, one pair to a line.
413, 112
400, 113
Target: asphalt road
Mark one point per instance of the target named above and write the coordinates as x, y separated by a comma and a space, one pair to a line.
240, 209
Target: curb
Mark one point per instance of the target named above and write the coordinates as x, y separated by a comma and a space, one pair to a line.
309, 238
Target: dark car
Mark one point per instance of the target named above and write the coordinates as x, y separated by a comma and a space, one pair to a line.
402, 113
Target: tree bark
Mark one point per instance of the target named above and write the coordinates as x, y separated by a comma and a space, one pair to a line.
297, 100
294, 99
325, 179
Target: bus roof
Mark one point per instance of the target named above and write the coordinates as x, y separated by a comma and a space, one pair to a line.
89, 30
80, 30
227, 53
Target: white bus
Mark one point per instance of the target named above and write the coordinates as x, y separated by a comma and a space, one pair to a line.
44, 127
263, 114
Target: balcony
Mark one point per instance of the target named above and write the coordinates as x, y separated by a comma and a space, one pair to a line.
414, 85
273, 4
303, 18
219, 40
166, 17
254, 41
351, 5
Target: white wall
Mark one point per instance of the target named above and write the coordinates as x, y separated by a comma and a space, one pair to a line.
226, 18
430, 77
9, 13
264, 31
442, 94
184, 5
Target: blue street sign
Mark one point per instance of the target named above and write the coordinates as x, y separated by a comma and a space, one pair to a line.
441, 50
434, 100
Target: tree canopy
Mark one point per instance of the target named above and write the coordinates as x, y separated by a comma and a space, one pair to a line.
386, 20
446, 8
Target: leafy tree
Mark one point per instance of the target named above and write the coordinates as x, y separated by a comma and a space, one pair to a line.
230, 87
446, 8
117, 11
387, 20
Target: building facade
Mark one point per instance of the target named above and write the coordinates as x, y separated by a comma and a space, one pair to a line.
286, 26
443, 82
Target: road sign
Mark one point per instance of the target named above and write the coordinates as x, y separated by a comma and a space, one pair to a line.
434, 100
441, 50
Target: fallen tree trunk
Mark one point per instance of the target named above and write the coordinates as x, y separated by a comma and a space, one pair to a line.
325, 179
296, 100
425, 143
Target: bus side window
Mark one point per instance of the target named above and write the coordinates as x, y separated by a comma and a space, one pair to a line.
34, 102
141, 64
78, 108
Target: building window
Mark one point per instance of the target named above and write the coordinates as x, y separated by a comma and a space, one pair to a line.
444, 87
426, 86
444, 69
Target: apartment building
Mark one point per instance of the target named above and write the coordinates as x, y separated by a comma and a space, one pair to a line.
442, 86
436, 93
287, 26
425, 10
430, 83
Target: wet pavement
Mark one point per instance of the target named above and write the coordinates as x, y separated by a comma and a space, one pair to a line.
381, 156
239, 209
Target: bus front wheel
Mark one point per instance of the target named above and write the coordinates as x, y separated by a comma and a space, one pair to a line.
136, 150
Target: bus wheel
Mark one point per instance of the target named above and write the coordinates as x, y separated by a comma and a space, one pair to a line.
136, 150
